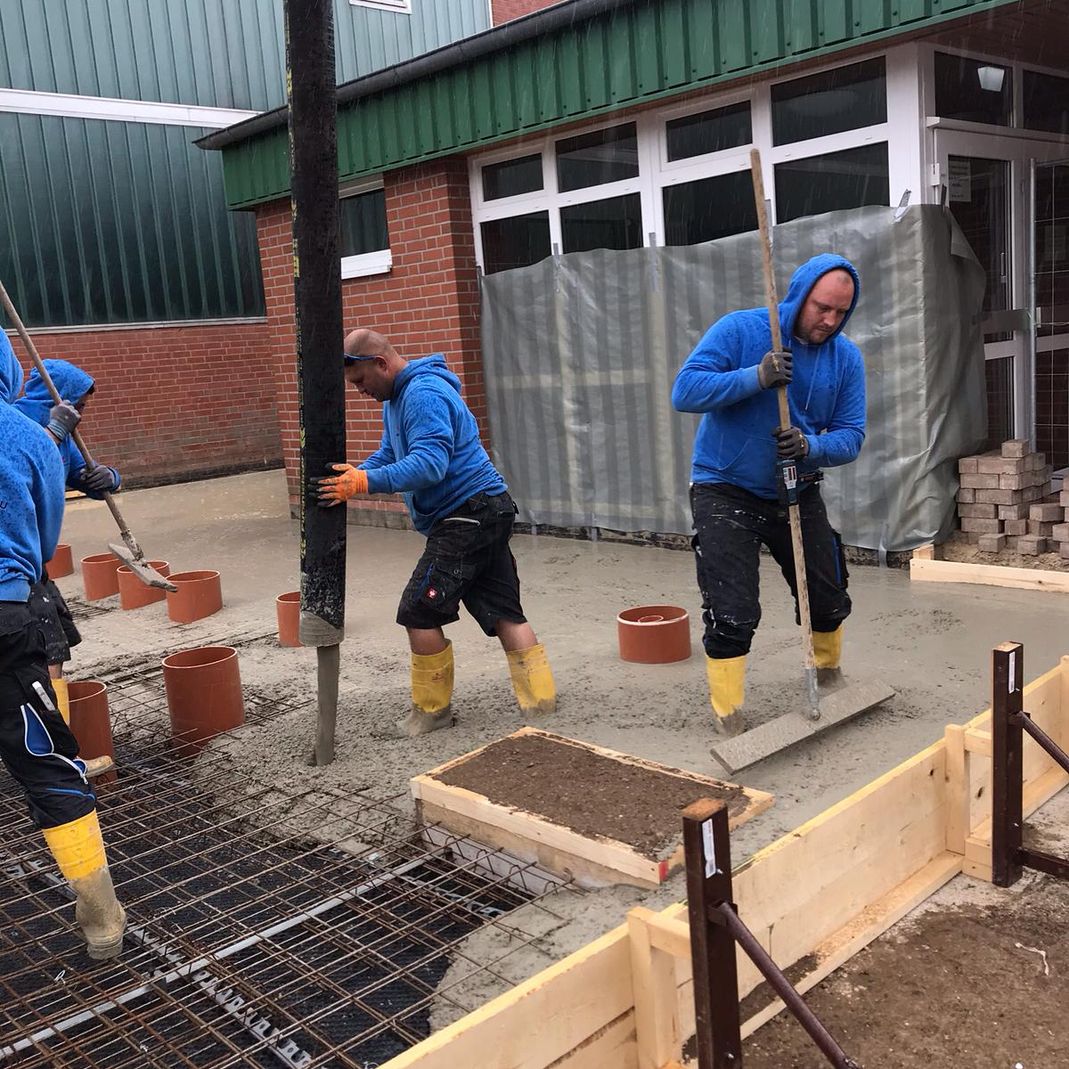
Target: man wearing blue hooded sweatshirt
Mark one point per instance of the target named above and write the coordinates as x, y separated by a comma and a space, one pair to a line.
36, 745
46, 602
431, 454
731, 378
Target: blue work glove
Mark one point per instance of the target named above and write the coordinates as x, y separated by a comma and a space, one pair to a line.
62, 419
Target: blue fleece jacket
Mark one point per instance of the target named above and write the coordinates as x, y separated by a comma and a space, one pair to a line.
73, 384
430, 448
734, 443
31, 489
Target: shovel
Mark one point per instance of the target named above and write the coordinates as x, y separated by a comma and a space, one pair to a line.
825, 711
130, 553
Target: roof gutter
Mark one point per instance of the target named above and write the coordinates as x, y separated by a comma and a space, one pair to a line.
539, 23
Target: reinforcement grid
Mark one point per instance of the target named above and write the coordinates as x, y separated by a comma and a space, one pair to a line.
250, 942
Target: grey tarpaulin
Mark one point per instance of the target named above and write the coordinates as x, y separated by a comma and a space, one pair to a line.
580, 352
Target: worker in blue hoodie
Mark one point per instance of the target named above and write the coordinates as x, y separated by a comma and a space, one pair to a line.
731, 378
46, 602
35, 743
431, 454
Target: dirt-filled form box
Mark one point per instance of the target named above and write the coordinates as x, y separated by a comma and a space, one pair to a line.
585, 812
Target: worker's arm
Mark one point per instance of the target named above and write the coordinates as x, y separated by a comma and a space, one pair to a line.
382, 456
46, 486
92, 481
428, 428
841, 442
711, 378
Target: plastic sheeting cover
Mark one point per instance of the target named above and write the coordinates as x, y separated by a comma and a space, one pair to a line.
580, 352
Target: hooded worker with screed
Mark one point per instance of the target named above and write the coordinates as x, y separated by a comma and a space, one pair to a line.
731, 378
35, 743
431, 453
46, 602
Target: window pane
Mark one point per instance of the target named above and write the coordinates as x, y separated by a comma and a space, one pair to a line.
999, 374
516, 242
979, 192
846, 98
597, 158
711, 131
363, 223
973, 90
512, 177
709, 208
615, 223
1046, 102
849, 179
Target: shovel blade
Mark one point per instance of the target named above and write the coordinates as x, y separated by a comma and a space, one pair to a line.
791, 728
141, 568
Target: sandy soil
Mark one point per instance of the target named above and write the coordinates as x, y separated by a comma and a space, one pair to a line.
932, 642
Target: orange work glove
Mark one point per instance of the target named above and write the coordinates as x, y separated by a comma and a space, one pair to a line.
334, 489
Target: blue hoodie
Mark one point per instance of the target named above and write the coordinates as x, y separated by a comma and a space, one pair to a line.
826, 396
430, 448
31, 489
73, 384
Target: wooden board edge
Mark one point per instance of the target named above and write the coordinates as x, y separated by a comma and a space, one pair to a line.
949, 571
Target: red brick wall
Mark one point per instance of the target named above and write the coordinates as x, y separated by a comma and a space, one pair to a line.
505, 10
427, 303
174, 403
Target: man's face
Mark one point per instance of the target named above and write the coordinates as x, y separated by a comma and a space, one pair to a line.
825, 307
371, 378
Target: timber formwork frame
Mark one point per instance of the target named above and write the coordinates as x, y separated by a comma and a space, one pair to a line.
267, 926
822, 892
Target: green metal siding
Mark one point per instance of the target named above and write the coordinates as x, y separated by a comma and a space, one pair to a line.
105, 240
221, 53
640, 52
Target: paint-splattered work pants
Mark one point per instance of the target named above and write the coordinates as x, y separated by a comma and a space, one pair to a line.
35, 744
730, 526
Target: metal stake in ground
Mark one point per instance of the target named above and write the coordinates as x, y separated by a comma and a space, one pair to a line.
318, 313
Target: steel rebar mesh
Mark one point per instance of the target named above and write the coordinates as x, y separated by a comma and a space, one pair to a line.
250, 940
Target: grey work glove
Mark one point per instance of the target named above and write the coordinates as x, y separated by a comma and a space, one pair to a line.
791, 443
62, 419
98, 478
775, 369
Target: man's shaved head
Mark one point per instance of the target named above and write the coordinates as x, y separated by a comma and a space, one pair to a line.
365, 342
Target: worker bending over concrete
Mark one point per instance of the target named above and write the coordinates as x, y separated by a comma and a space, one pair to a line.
431, 454
731, 378
35, 743
46, 602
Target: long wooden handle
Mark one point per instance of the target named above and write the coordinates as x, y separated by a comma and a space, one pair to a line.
79, 441
801, 580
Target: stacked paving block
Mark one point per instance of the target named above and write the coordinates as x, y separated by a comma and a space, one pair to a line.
1005, 502
1059, 534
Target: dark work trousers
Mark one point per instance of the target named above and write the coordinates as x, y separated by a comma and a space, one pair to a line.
36, 746
731, 525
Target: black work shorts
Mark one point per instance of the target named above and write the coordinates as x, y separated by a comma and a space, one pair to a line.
467, 560
54, 619
35, 744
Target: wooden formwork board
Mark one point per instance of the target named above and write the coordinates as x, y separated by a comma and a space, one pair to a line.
924, 568
591, 861
822, 892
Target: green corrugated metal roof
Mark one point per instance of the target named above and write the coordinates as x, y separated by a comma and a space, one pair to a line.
636, 52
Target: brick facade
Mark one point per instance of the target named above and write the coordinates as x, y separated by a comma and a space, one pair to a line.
427, 303
506, 10
174, 403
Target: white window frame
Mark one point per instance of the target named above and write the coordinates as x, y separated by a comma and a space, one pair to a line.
901, 133
399, 7
379, 262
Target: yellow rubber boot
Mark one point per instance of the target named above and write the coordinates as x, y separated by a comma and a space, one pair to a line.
79, 851
432, 693
727, 684
532, 680
827, 652
63, 699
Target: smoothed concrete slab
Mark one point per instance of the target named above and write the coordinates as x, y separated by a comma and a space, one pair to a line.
774, 735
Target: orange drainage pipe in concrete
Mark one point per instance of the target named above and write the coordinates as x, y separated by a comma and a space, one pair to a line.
133, 593
654, 634
62, 562
288, 611
199, 594
203, 695
91, 723
99, 575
